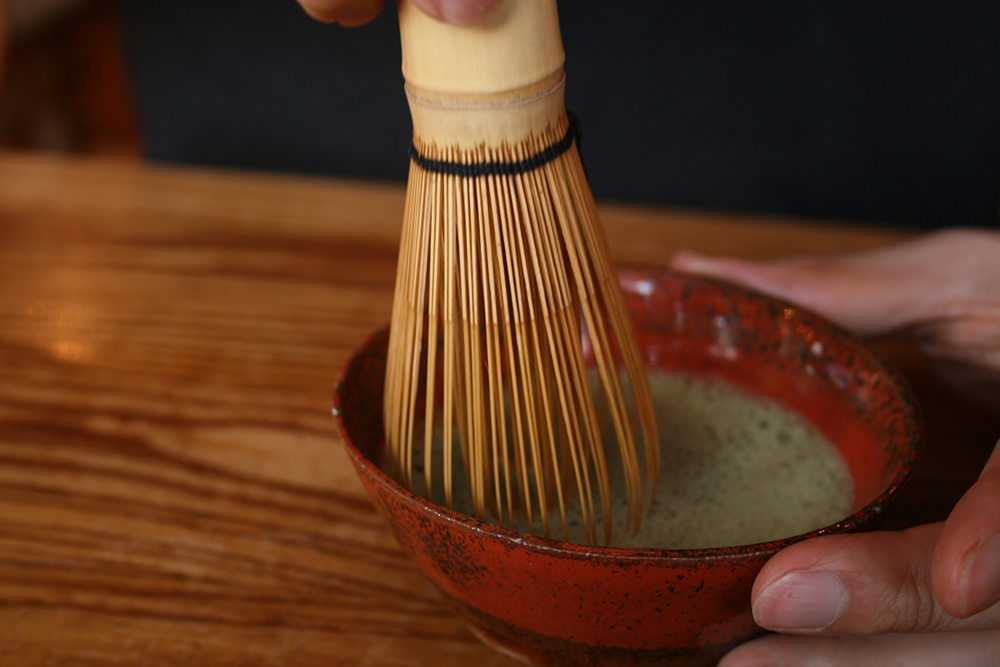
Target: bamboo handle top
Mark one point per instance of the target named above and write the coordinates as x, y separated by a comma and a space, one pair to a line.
517, 47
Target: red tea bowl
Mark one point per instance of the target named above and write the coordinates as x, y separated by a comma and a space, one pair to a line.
553, 603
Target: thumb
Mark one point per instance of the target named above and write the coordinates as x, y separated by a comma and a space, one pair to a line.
875, 292
833, 287
859, 584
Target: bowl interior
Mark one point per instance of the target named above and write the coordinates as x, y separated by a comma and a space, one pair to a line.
772, 349
719, 331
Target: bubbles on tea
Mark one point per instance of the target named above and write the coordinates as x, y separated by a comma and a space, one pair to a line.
734, 469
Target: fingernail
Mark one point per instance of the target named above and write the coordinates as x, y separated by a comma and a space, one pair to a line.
462, 12
980, 587
804, 601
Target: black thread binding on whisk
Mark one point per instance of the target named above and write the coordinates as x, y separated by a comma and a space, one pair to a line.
504, 168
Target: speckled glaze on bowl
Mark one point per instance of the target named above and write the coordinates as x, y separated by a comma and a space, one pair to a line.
557, 604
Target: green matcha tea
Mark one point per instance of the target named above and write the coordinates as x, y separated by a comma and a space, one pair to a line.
734, 469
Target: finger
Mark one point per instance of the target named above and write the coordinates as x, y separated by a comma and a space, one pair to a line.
966, 562
458, 12
858, 584
879, 291
969, 649
348, 13
829, 286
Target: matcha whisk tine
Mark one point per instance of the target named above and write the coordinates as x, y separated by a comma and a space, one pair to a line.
503, 265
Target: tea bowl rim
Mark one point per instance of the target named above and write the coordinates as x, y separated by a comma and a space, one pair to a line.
861, 519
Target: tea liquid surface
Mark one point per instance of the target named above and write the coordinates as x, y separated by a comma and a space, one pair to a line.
734, 469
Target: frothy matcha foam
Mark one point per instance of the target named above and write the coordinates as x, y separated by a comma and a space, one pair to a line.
735, 469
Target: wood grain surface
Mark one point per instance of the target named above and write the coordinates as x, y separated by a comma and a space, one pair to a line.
172, 488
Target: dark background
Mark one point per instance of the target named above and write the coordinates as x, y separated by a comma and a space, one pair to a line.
884, 112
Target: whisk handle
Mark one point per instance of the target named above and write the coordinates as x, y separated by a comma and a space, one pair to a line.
515, 50
497, 83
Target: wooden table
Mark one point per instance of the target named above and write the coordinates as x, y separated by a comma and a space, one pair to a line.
172, 488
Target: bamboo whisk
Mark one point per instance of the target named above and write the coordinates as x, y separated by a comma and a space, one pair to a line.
502, 264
